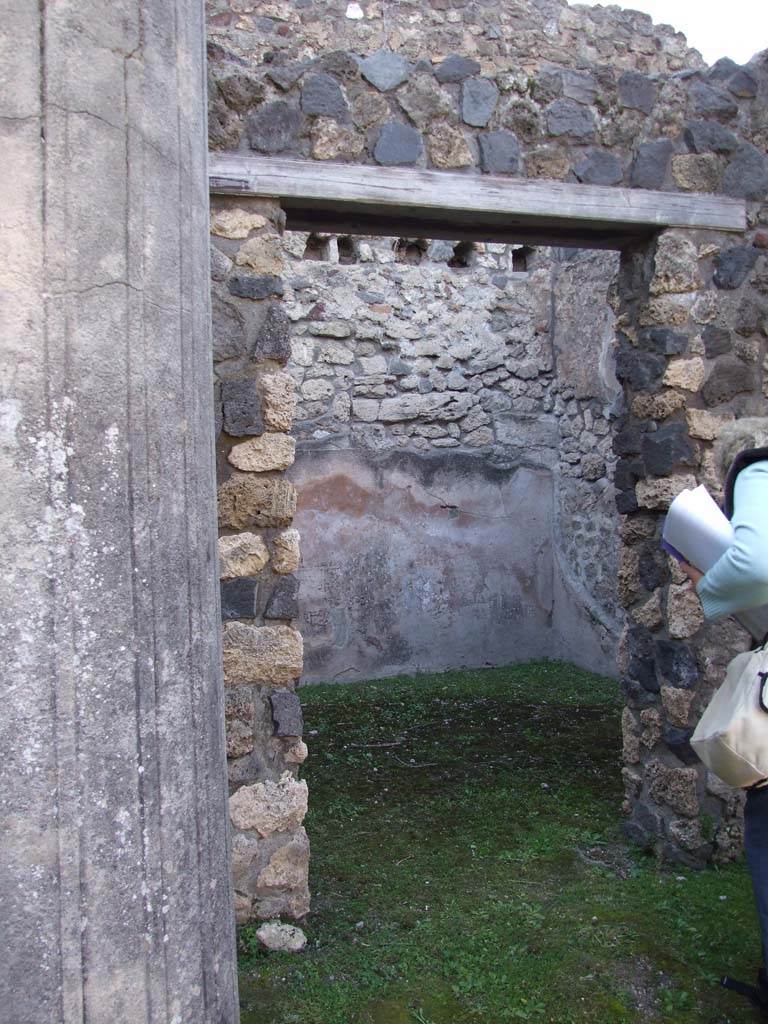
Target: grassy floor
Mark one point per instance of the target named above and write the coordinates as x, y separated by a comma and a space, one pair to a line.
468, 868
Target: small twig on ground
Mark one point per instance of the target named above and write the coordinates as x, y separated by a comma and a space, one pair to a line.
397, 743
427, 764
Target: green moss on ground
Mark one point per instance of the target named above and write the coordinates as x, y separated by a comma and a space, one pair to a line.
468, 867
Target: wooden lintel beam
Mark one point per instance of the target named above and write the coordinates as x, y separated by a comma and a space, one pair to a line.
488, 203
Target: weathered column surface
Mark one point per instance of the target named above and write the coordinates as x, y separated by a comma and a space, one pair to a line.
114, 887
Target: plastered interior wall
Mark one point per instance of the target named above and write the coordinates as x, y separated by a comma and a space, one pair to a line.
454, 461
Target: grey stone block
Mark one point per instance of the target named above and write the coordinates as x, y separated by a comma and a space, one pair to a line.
676, 664
261, 287
241, 405
479, 97
650, 166
664, 341
567, 117
286, 713
286, 76
580, 86
499, 152
729, 377
455, 69
229, 334
746, 176
636, 91
743, 84
283, 602
709, 101
717, 341
733, 265
666, 448
238, 598
240, 91
639, 369
397, 145
385, 70
321, 96
709, 137
273, 337
597, 167
274, 128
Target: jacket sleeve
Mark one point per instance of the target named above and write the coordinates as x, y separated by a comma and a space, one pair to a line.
739, 578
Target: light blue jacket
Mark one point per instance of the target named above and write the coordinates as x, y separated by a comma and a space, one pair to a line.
739, 578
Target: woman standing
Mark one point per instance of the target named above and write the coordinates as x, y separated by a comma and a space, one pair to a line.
738, 582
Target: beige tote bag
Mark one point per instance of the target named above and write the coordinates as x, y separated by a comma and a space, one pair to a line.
732, 735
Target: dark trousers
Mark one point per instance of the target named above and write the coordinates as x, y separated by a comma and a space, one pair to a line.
756, 847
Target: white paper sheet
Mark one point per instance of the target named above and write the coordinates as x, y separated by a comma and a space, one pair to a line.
697, 528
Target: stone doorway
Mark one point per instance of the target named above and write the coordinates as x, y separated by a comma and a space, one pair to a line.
676, 297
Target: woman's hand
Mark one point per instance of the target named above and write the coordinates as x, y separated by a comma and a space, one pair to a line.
693, 574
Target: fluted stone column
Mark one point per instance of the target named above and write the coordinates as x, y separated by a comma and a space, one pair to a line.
114, 879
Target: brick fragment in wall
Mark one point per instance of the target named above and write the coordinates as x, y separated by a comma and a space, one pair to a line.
268, 807
261, 654
286, 713
261, 287
687, 374
658, 407
278, 400
241, 406
631, 737
448, 148
262, 254
677, 704
238, 598
234, 222
659, 494
684, 614
283, 602
288, 867
264, 453
674, 787
676, 266
287, 554
239, 723
246, 501
295, 752
649, 613
697, 172
243, 554
334, 141
650, 720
